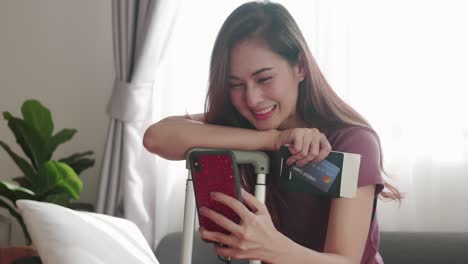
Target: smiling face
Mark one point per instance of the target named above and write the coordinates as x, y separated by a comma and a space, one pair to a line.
263, 86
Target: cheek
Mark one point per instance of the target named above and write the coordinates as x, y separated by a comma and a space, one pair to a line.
236, 98
287, 93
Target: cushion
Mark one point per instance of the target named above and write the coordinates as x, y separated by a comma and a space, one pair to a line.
62, 235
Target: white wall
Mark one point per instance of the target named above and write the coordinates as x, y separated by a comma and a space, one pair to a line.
60, 52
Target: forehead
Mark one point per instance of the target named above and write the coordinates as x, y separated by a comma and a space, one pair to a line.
250, 55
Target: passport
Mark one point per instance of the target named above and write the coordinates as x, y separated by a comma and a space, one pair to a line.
335, 176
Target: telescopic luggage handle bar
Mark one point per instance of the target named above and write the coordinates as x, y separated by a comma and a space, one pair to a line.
258, 159
261, 164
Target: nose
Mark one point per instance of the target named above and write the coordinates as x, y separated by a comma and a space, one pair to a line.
253, 95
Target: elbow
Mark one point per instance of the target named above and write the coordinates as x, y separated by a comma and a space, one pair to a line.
149, 140
156, 140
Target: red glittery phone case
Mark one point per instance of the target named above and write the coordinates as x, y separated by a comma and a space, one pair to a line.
215, 171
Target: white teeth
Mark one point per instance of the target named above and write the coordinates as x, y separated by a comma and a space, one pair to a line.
264, 111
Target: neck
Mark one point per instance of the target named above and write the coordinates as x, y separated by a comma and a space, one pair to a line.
293, 121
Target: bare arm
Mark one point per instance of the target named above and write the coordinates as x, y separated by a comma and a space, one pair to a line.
172, 137
257, 238
348, 228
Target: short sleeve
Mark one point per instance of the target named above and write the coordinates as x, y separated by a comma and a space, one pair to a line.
363, 141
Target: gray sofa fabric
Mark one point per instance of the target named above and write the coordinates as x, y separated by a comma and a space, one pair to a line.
169, 249
395, 247
413, 247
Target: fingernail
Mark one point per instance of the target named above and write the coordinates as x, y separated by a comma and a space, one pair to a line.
203, 210
212, 194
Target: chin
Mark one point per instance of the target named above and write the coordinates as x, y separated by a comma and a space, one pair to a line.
263, 128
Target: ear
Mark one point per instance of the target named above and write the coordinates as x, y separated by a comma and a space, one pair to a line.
299, 68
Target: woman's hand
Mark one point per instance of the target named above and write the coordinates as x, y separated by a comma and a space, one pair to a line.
255, 237
305, 145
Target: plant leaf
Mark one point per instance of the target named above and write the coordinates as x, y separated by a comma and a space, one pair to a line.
77, 156
25, 167
80, 165
78, 162
38, 117
58, 178
18, 217
14, 192
30, 141
24, 182
7, 115
61, 137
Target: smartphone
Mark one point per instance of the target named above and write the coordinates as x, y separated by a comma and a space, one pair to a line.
215, 171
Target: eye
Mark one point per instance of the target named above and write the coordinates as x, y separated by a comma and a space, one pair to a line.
264, 80
235, 85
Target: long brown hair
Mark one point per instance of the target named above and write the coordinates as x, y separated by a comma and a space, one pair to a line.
317, 103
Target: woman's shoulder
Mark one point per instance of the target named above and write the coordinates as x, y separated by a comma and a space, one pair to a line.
353, 139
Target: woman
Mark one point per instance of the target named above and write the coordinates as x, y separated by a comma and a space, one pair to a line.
265, 91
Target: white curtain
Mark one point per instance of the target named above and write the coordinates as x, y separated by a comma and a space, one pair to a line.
409, 73
182, 77
402, 64
128, 185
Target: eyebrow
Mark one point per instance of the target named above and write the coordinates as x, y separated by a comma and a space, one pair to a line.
253, 74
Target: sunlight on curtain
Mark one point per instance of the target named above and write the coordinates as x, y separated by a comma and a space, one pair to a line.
183, 76
409, 73
402, 64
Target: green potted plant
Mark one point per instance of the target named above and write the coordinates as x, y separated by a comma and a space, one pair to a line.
44, 179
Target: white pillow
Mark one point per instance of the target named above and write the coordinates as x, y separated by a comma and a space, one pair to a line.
62, 235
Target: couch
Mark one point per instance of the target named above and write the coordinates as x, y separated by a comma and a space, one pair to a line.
422, 247
105, 239
395, 247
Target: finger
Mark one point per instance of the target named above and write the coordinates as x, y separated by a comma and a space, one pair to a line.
295, 157
233, 252
304, 157
253, 203
220, 219
325, 149
227, 252
218, 237
295, 149
314, 148
232, 203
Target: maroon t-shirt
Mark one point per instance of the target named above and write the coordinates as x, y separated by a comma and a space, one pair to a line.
304, 217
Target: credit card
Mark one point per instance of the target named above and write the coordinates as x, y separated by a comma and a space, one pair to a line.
320, 175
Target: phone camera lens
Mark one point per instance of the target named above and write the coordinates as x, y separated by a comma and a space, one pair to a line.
196, 165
